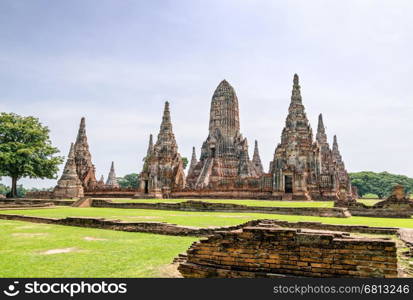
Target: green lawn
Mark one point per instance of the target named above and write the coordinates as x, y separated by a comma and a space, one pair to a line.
200, 219
94, 252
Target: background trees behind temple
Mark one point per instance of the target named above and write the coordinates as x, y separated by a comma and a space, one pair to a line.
129, 181
379, 184
26, 149
185, 162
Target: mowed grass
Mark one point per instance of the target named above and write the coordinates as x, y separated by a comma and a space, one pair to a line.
91, 252
200, 219
270, 203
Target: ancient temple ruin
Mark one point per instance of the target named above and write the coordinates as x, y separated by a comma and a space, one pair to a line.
163, 167
112, 181
69, 185
224, 154
304, 169
193, 162
256, 160
84, 166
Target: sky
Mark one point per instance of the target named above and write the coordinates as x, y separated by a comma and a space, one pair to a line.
117, 62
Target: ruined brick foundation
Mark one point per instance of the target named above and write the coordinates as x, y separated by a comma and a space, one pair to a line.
271, 252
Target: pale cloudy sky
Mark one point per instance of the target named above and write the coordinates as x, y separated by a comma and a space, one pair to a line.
116, 62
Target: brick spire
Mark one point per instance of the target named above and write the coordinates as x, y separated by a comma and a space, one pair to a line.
69, 185
335, 144
70, 167
224, 113
256, 160
163, 166
296, 93
150, 145
84, 166
166, 143
112, 181
321, 136
194, 161
337, 156
297, 130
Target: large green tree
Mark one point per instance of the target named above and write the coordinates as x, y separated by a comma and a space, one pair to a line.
129, 181
380, 184
26, 149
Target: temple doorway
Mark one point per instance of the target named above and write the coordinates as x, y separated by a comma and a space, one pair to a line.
146, 186
213, 152
288, 188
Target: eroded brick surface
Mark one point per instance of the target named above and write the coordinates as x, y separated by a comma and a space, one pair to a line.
263, 251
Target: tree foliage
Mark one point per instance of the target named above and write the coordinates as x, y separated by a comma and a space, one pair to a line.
379, 184
185, 162
26, 149
3, 189
129, 181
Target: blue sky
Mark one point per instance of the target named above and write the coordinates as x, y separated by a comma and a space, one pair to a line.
116, 62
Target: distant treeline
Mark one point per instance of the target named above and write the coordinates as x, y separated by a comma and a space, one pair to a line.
21, 191
379, 184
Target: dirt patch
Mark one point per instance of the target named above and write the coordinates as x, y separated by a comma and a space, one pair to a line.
240, 217
23, 234
59, 251
141, 217
91, 238
169, 271
219, 216
32, 226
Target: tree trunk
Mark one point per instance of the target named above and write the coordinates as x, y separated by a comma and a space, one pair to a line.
14, 187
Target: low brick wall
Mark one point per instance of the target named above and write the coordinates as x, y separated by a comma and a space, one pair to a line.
39, 195
406, 235
116, 193
172, 229
333, 227
35, 202
279, 252
380, 212
229, 207
147, 227
216, 194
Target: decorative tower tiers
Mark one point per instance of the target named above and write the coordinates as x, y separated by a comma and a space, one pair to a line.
224, 154
69, 185
112, 181
84, 166
163, 167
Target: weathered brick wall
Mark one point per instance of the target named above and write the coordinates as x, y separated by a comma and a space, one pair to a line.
332, 227
111, 193
148, 227
224, 194
381, 212
165, 228
39, 195
229, 207
277, 252
34, 202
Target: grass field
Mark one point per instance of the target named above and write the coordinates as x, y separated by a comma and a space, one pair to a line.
200, 219
32, 250
271, 203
